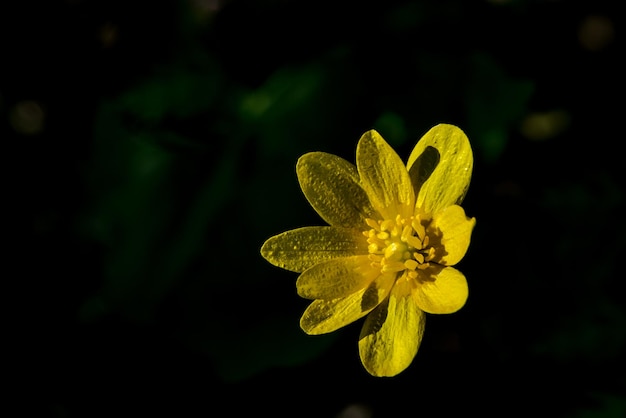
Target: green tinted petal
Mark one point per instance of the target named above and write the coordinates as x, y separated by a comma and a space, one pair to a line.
450, 233
440, 167
337, 278
299, 249
332, 186
446, 294
327, 315
384, 177
392, 333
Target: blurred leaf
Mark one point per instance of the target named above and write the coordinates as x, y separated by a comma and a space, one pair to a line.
404, 17
593, 334
591, 330
177, 93
283, 105
152, 210
392, 127
495, 102
272, 342
610, 406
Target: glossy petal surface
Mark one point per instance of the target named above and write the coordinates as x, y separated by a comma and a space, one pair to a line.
441, 168
332, 187
336, 278
446, 294
299, 249
323, 315
392, 333
384, 177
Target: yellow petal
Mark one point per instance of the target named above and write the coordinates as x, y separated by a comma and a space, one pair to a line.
323, 315
392, 333
450, 233
337, 278
384, 177
446, 294
332, 186
299, 249
440, 167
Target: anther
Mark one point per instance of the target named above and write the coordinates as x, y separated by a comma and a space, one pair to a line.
431, 254
386, 225
406, 233
392, 267
418, 227
411, 264
399, 245
414, 242
372, 224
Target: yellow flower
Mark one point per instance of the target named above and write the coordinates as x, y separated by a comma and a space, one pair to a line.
394, 233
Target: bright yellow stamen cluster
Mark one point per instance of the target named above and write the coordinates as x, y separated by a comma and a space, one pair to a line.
399, 245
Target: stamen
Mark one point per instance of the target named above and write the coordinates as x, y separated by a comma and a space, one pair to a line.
414, 242
372, 224
418, 227
399, 245
386, 225
431, 254
383, 235
392, 267
406, 233
411, 264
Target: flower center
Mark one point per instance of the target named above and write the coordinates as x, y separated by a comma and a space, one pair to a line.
399, 245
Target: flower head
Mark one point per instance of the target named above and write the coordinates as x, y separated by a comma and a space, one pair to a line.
394, 233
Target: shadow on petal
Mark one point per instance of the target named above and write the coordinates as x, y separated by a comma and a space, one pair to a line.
376, 319
423, 167
370, 297
435, 240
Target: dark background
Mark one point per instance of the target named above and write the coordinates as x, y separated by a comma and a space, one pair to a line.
150, 150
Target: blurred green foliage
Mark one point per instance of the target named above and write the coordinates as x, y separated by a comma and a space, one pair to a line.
157, 148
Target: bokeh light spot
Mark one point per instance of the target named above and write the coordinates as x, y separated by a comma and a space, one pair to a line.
356, 411
108, 35
595, 32
27, 117
539, 126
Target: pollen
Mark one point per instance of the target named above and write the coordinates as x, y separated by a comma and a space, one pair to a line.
399, 246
